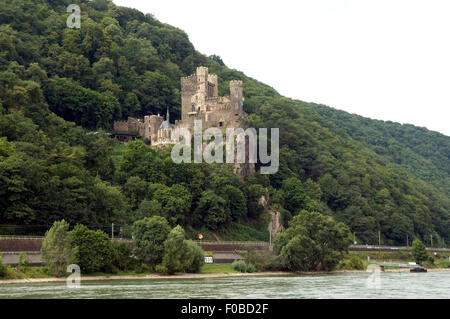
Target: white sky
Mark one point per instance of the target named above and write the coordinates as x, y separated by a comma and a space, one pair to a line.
384, 59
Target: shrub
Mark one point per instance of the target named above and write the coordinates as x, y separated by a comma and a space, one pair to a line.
443, 263
194, 258
161, 269
23, 262
262, 260
3, 268
94, 249
251, 268
239, 265
352, 263
141, 268
121, 256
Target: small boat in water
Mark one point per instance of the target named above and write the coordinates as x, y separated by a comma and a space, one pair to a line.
418, 269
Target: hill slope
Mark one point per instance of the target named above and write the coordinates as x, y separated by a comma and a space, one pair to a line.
373, 176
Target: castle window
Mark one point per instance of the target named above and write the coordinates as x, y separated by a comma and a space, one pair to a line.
193, 108
221, 124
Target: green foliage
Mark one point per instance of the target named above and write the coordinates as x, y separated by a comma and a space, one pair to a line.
23, 262
295, 195
211, 211
94, 252
148, 208
195, 258
149, 235
121, 256
262, 260
352, 263
371, 175
174, 251
312, 242
175, 202
181, 255
241, 266
243, 232
3, 268
419, 252
57, 250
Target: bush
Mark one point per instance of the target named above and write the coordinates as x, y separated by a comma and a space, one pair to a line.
251, 268
141, 268
351, 264
241, 266
195, 258
23, 262
94, 249
3, 268
121, 256
161, 269
262, 260
443, 263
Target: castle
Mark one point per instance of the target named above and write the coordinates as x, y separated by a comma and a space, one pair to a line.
199, 102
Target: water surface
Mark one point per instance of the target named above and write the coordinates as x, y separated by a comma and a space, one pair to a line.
389, 285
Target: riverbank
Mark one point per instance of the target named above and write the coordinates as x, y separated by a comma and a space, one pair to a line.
201, 276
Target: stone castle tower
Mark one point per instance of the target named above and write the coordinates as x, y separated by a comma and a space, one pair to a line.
199, 102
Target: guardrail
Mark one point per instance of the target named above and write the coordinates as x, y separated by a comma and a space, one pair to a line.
395, 248
20, 237
252, 243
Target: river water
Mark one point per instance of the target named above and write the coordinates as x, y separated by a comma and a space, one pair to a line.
358, 285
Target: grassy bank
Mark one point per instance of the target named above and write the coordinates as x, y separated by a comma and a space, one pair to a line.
41, 272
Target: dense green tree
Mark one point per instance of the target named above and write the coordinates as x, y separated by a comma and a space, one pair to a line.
294, 194
312, 241
175, 202
175, 251
194, 258
419, 252
148, 208
211, 211
149, 235
94, 252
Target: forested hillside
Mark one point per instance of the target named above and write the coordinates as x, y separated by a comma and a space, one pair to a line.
426, 154
61, 89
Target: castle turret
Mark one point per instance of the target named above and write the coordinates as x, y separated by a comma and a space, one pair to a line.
213, 86
236, 96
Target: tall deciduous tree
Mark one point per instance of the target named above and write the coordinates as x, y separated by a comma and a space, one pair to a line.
149, 235
312, 241
419, 251
57, 250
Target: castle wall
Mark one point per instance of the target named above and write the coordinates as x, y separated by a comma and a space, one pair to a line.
199, 101
121, 126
